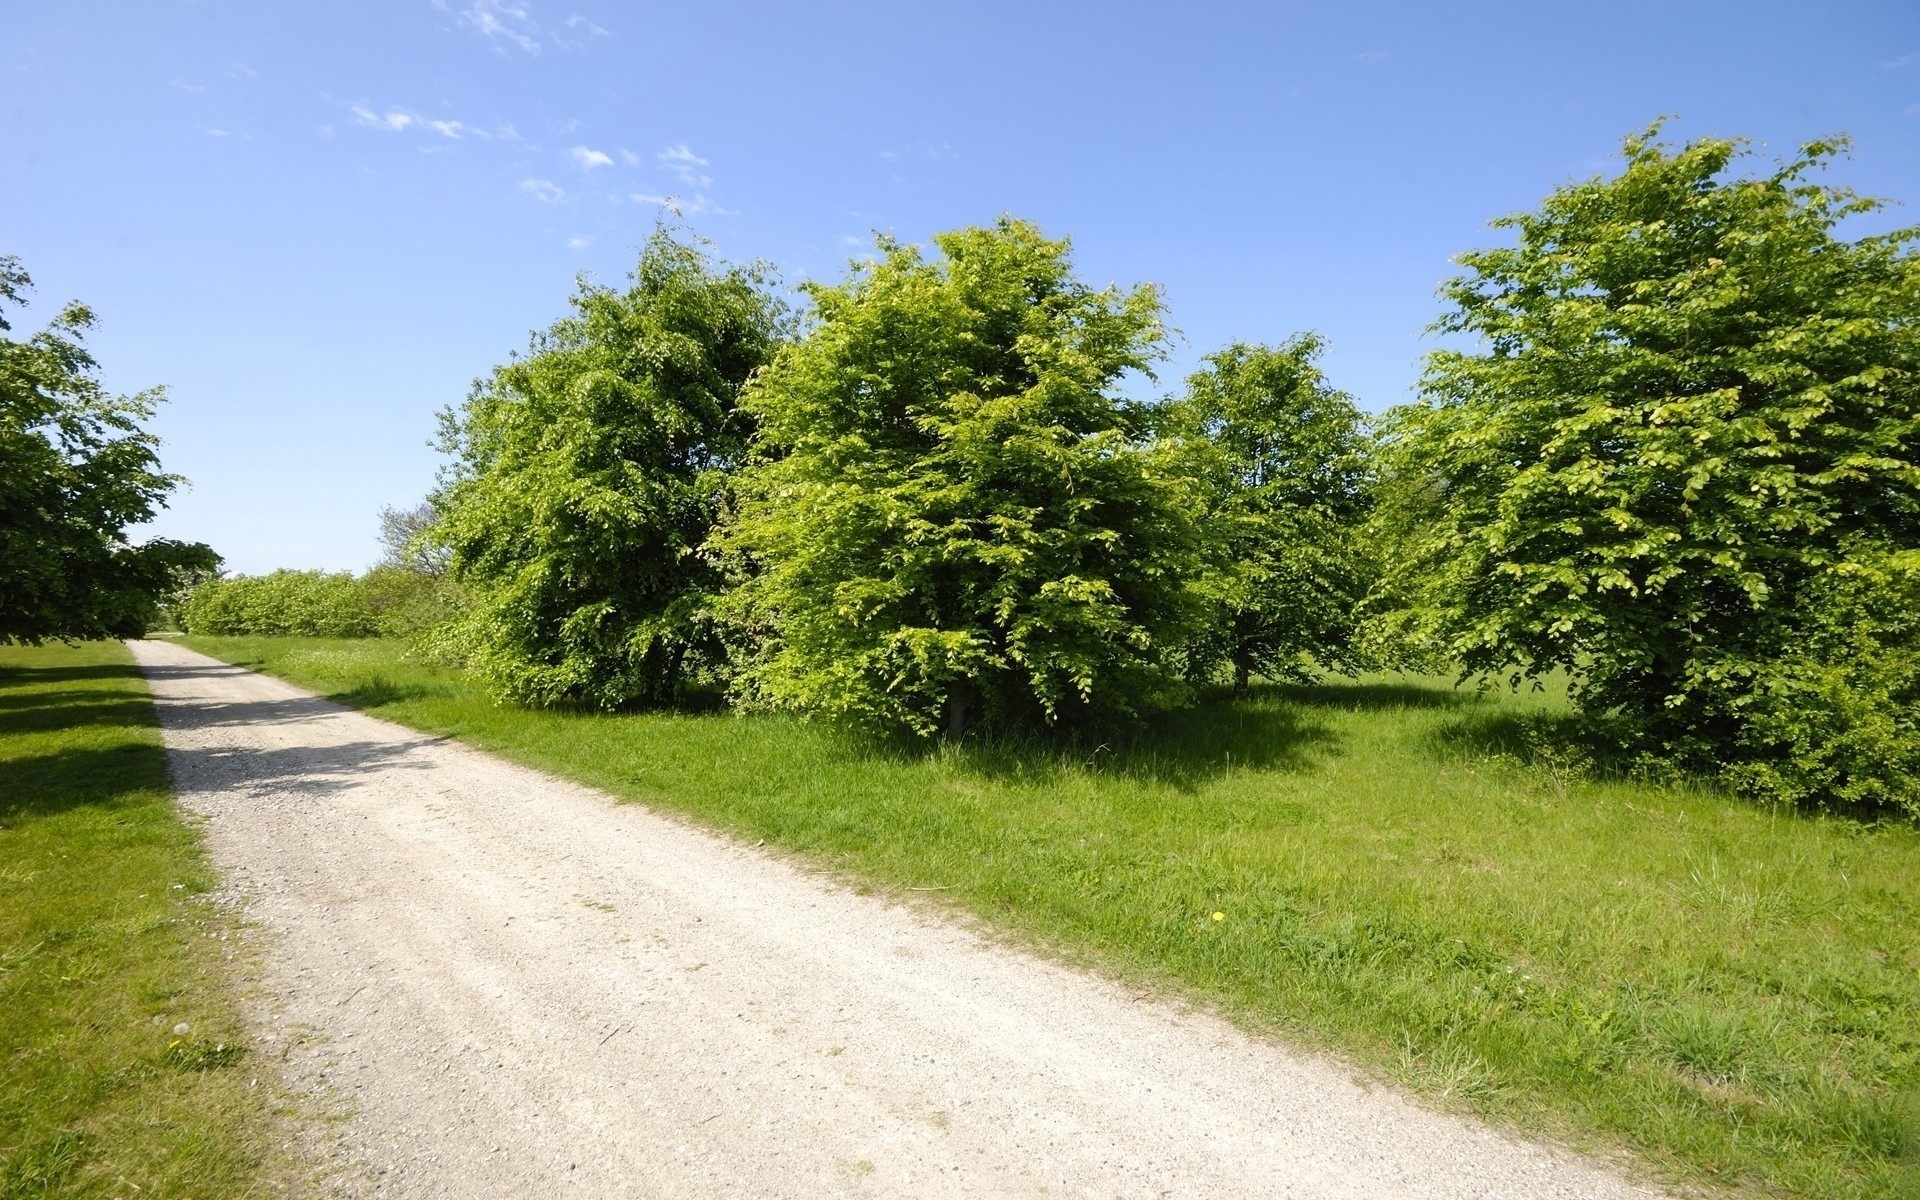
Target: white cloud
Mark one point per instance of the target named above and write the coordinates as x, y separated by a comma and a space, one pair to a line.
685, 164
579, 31
1370, 56
212, 132
681, 206
579, 243
243, 71
398, 120
1905, 60
849, 241
590, 158
544, 190
501, 21
630, 158
650, 198
394, 121
195, 88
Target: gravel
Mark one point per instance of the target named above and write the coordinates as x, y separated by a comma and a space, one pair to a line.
509, 985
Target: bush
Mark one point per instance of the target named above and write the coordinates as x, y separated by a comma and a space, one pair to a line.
1683, 467
952, 514
385, 602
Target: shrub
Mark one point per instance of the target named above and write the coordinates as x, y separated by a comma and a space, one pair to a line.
587, 477
284, 603
951, 513
1683, 467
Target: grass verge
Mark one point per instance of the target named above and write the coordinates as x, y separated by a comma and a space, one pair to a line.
1393, 869
123, 1067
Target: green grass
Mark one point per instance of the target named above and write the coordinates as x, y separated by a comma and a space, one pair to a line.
107, 945
1731, 992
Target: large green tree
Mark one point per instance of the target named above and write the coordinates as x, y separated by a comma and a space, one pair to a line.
77, 468
587, 476
1286, 458
1682, 465
954, 515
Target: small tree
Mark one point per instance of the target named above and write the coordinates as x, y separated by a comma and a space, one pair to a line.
1286, 457
1686, 448
76, 469
587, 476
952, 515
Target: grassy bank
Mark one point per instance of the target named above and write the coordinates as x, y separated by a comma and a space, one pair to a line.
1381, 868
123, 1070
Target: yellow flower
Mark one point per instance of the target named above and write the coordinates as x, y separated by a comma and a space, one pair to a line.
1219, 916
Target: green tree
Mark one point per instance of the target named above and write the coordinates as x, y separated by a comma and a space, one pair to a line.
1287, 459
1683, 454
952, 515
76, 469
587, 476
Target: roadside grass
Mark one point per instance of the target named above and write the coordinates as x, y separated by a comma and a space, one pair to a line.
108, 945
1421, 879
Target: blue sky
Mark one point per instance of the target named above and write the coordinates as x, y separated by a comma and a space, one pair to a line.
318, 223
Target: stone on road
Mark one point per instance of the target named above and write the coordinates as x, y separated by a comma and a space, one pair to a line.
515, 987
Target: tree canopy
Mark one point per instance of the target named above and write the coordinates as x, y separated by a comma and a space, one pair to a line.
587, 476
952, 513
1681, 466
1287, 463
77, 468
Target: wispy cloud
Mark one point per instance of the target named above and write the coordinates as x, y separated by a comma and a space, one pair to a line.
1370, 56
685, 164
500, 21
399, 120
1905, 60
630, 158
589, 158
579, 243
393, 121
242, 71
576, 32
683, 206
546, 191
194, 88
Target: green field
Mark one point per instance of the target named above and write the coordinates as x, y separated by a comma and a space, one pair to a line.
1382, 868
123, 1069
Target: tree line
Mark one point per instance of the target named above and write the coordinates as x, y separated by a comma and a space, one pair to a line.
1667, 450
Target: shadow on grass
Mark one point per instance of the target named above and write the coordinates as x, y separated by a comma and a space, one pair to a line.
1370, 697
11, 677
1183, 749
48, 712
104, 776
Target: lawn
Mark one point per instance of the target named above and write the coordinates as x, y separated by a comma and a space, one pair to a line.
123, 1069
1405, 873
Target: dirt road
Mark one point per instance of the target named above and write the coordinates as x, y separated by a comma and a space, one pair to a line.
519, 988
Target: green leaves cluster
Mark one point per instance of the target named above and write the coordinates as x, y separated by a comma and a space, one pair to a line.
1682, 466
952, 513
931, 506
77, 468
587, 477
387, 601
1288, 472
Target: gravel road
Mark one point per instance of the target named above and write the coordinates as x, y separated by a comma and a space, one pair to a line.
516, 987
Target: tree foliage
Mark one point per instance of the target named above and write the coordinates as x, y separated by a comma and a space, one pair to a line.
587, 476
77, 468
1286, 459
952, 514
1682, 466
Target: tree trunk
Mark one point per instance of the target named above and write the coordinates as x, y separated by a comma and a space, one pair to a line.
1241, 672
956, 715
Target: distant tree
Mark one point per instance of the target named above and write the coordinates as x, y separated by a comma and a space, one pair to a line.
406, 541
952, 515
76, 469
1286, 458
1682, 466
586, 477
